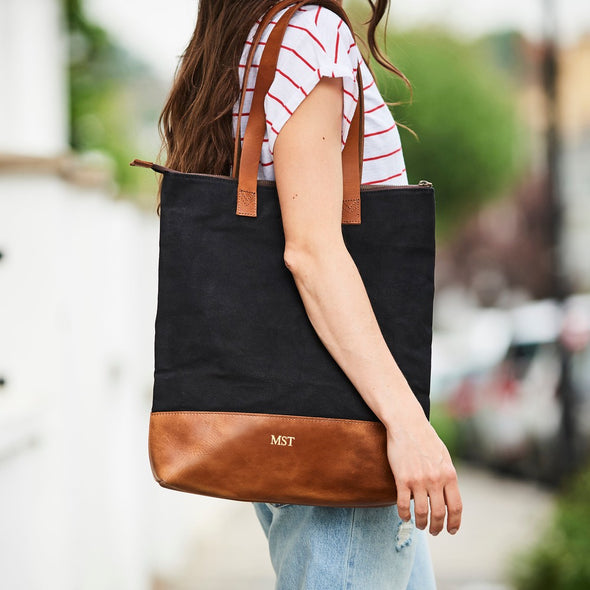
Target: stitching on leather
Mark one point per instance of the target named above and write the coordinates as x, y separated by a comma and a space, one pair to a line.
245, 212
277, 416
246, 200
352, 207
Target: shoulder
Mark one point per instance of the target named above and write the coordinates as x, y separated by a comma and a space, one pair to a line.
317, 43
321, 34
320, 20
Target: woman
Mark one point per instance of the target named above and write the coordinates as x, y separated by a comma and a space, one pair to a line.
308, 110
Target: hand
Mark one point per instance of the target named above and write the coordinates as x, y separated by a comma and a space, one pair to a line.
422, 467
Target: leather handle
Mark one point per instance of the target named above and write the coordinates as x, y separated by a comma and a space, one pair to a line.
267, 18
249, 159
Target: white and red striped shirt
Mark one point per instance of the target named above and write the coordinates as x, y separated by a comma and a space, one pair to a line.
318, 43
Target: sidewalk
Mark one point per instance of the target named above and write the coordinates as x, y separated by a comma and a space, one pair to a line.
500, 515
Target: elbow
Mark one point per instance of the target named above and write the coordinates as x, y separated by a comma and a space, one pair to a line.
294, 259
307, 258
302, 259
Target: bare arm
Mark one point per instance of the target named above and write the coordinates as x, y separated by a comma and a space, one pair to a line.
339, 308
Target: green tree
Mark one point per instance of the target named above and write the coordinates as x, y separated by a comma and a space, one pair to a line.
105, 114
464, 112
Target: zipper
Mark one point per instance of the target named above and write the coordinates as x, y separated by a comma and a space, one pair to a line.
369, 187
421, 184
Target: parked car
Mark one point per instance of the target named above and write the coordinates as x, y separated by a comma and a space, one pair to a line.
510, 411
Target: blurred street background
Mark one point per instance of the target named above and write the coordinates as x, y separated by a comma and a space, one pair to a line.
501, 108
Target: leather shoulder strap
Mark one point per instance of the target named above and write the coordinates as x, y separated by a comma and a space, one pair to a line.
249, 159
266, 19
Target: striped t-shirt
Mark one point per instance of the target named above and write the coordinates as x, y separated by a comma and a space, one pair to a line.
318, 43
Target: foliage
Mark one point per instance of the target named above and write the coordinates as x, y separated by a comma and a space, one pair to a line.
446, 427
560, 559
464, 113
103, 112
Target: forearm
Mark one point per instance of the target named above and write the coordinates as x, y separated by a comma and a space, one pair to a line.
339, 309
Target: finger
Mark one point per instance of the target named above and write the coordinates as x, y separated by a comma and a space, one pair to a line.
438, 511
454, 506
421, 508
403, 502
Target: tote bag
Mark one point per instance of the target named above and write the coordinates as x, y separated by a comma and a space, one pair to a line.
248, 404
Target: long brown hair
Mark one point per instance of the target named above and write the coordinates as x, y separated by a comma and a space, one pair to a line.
196, 122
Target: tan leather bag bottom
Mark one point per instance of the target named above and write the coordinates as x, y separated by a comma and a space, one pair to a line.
272, 458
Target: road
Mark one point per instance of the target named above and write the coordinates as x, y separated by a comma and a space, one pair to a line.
501, 515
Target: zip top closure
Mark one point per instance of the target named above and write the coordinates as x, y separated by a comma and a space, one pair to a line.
164, 169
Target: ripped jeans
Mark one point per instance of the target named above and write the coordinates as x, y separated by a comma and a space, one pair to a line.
317, 548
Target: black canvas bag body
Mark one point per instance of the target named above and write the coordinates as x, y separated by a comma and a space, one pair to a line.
248, 404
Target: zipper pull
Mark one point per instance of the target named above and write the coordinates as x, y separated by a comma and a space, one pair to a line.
142, 163
425, 183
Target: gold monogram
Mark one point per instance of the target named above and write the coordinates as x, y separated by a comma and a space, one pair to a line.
281, 440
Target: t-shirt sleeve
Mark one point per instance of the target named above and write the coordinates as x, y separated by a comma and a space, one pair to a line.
317, 43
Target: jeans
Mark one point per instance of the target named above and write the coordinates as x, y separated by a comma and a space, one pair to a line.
318, 548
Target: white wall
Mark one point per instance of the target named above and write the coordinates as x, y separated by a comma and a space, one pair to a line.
33, 97
79, 509
77, 284
78, 505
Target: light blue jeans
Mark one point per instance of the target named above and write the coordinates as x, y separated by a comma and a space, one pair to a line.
317, 548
